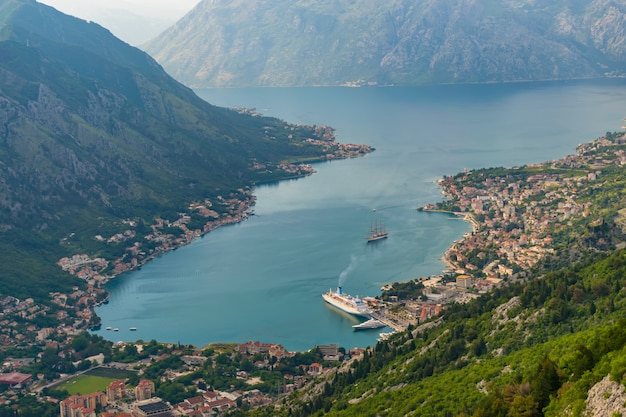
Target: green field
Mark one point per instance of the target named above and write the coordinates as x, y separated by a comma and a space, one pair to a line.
94, 380
85, 384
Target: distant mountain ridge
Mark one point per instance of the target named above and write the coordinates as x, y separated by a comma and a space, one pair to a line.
238, 43
132, 22
93, 134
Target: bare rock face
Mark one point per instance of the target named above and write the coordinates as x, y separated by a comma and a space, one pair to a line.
606, 398
235, 43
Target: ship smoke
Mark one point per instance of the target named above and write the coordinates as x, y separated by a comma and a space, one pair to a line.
354, 262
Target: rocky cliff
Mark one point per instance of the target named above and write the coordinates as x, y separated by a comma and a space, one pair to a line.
336, 42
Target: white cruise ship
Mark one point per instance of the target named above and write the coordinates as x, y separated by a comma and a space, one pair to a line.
347, 303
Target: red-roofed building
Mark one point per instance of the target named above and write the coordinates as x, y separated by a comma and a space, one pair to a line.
82, 405
195, 402
356, 351
211, 396
253, 348
144, 390
222, 404
315, 369
183, 409
116, 390
14, 379
86, 412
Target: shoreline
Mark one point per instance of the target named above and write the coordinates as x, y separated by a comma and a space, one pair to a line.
235, 208
237, 217
238, 209
512, 249
243, 213
452, 266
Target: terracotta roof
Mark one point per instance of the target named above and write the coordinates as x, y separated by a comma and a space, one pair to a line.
14, 378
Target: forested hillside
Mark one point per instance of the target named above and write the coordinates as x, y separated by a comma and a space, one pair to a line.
100, 148
550, 342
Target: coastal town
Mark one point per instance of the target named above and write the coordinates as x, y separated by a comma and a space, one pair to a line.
201, 217
515, 214
121, 398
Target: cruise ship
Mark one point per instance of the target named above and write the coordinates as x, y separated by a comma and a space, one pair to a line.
347, 303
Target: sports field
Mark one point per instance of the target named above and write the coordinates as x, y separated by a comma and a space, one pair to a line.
92, 381
85, 384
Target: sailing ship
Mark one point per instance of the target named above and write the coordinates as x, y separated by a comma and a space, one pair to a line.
377, 232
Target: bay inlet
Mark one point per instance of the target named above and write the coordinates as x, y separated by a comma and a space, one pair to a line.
263, 279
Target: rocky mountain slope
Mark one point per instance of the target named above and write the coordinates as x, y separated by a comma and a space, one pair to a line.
95, 136
224, 43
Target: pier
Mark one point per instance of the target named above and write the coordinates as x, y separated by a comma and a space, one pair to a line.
382, 317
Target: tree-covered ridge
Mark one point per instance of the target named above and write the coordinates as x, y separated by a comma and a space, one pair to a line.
101, 149
530, 349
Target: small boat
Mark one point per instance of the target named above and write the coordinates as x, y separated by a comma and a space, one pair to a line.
116, 330
133, 329
109, 328
369, 324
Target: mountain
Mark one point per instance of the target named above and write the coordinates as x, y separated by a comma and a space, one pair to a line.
234, 43
100, 150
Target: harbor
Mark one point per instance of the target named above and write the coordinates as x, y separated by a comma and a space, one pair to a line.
383, 318
304, 232
376, 314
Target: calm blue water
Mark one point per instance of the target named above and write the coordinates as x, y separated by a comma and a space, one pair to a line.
262, 279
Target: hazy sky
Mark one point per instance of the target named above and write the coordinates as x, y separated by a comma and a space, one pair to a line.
134, 21
147, 7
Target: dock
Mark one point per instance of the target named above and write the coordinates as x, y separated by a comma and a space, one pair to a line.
387, 321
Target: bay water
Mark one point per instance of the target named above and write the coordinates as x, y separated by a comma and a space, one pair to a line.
262, 279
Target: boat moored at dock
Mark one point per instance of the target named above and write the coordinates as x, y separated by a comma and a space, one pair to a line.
369, 324
348, 303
